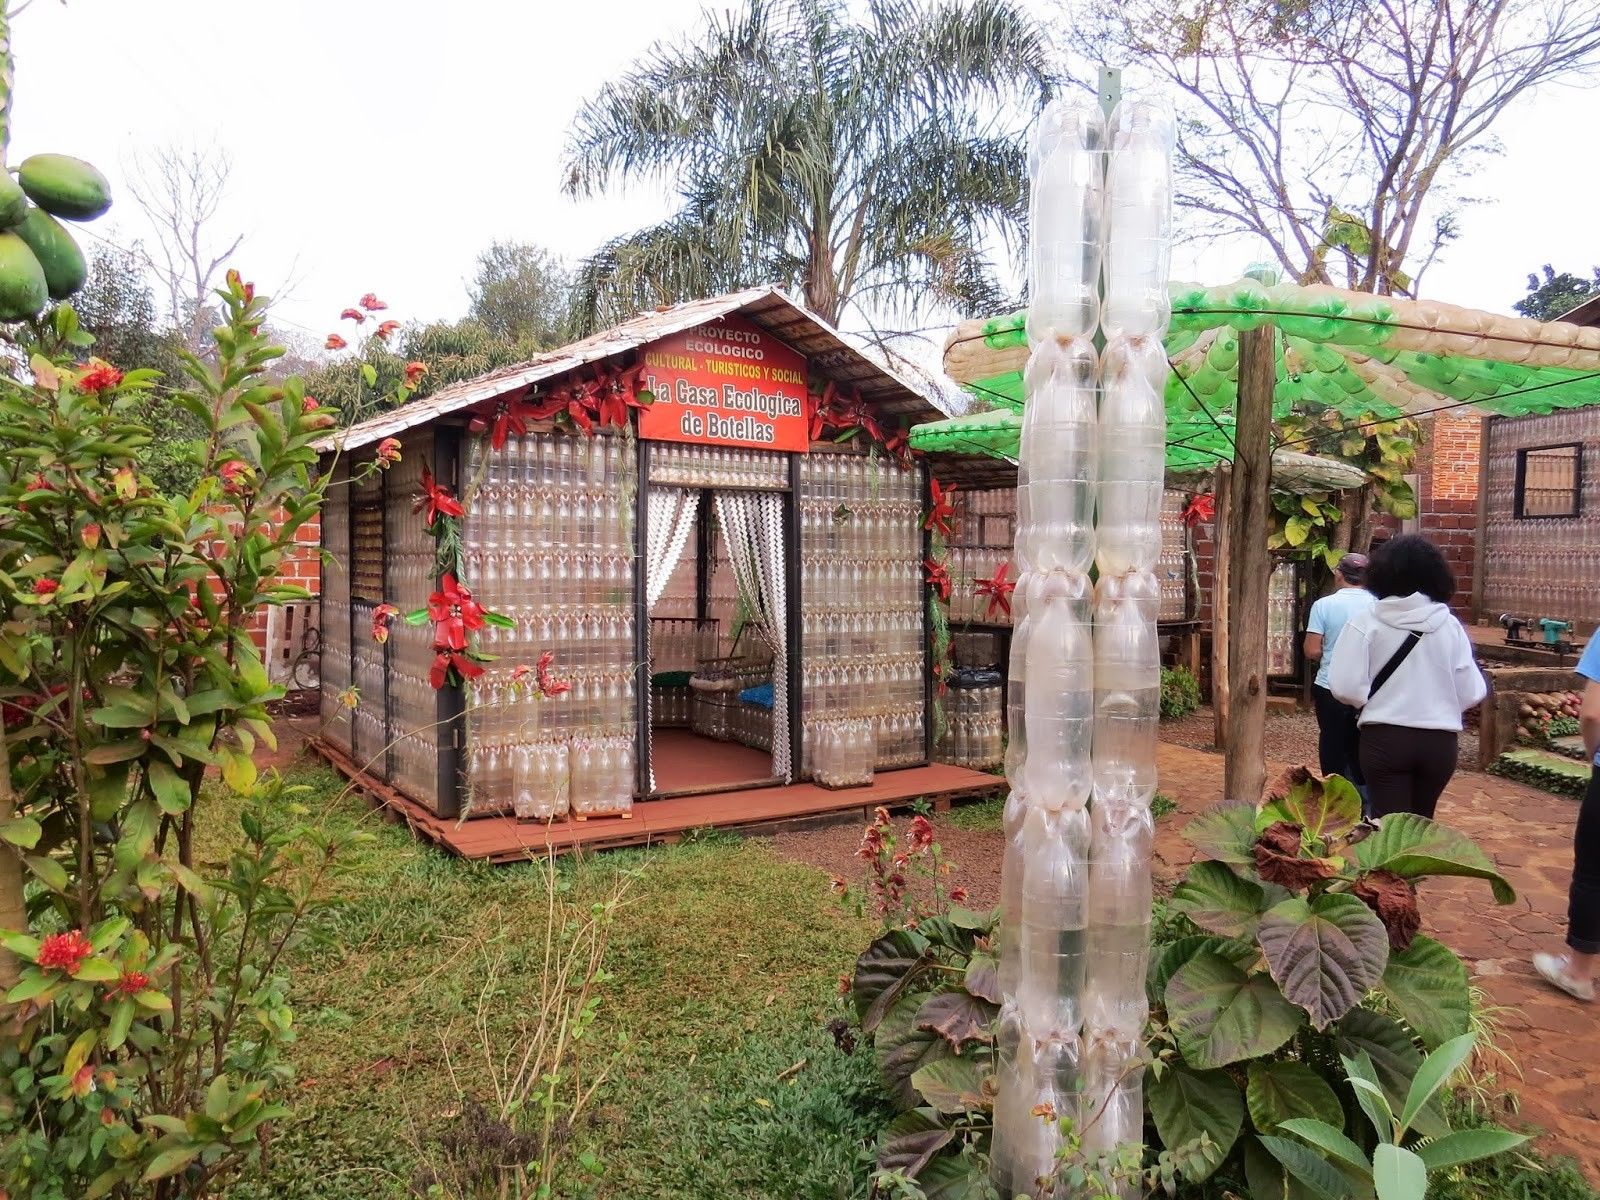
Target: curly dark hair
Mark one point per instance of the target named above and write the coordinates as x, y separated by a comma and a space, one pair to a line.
1407, 564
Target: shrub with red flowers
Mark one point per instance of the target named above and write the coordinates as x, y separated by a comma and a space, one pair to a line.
907, 878
143, 1002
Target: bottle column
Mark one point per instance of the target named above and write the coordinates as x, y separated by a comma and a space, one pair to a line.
1050, 699
1127, 603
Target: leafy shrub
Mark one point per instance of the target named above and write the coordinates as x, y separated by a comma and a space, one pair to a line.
1180, 693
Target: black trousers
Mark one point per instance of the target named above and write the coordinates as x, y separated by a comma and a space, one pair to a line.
1406, 769
1337, 736
1583, 901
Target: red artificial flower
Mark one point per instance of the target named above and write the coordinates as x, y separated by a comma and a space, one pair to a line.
921, 833
958, 895
436, 500
549, 685
101, 377
938, 578
46, 587
898, 445
382, 617
998, 587
387, 328
388, 452
334, 342
445, 660
353, 314
618, 393
510, 416
371, 303
943, 510
414, 372
131, 982
1202, 510
64, 951
818, 409
577, 401
454, 614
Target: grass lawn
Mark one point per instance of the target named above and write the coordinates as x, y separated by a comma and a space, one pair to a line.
723, 968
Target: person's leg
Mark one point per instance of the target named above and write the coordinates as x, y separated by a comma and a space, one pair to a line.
1386, 765
1575, 970
1435, 752
1330, 751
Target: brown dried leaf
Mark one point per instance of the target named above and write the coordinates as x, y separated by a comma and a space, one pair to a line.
1394, 899
1279, 859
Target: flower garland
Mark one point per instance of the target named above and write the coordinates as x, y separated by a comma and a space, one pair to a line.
844, 415
595, 397
937, 571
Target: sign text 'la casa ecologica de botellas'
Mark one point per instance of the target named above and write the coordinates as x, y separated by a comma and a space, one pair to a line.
726, 383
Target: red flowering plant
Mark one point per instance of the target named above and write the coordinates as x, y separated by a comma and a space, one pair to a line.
907, 877
142, 991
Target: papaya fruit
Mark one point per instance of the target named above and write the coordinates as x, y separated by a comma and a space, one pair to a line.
13, 202
59, 256
65, 186
23, 290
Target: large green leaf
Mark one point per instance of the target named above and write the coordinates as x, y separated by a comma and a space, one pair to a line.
881, 972
1311, 1169
1226, 833
908, 1143
1167, 959
1269, 1179
1427, 984
902, 1049
1415, 847
1331, 1141
1398, 1174
1467, 1145
1395, 1059
1218, 901
1283, 1091
1435, 1071
1326, 954
951, 1177
952, 1085
1324, 808
1186, 1104
1221, 1015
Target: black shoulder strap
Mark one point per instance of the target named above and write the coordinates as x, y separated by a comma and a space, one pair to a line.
1393, 665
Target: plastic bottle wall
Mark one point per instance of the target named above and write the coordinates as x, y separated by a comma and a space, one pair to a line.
1075, 889
334, 608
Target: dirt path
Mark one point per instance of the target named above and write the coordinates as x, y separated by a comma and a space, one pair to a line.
1528, 833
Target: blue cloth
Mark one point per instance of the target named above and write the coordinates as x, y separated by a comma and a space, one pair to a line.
761, 695
1589, 668
1328, 618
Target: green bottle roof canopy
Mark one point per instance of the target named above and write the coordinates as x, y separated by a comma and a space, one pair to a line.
1371, 357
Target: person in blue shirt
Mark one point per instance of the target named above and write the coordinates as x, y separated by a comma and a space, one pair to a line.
1574, 970
1336, 722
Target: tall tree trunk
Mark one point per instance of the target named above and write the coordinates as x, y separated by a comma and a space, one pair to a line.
1250, 565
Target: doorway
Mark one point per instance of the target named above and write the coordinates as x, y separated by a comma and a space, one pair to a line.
718, 653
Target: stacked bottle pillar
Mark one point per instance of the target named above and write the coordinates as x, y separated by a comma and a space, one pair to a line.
548, 542
1083, 695
1281, 619
334, 608
862, 606
369, 728
410, 560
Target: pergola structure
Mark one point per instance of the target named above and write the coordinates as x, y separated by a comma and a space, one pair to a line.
1253, 351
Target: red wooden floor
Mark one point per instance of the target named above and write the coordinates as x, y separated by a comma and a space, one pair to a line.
505, 839
687, 762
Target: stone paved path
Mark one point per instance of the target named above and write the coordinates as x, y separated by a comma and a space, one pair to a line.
1552, 1039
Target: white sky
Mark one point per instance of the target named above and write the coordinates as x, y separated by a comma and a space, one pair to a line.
380, 146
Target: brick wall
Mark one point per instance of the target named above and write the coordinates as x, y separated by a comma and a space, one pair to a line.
1447, 494
301, 567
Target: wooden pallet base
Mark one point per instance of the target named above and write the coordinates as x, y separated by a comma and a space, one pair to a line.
505, 839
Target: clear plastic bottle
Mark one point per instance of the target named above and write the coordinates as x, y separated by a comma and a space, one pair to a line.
1139, 220
1055, 879
1059, 714
1132, 452
1066, 206
1060, 448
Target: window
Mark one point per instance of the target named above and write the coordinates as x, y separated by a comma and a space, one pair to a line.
1549, 481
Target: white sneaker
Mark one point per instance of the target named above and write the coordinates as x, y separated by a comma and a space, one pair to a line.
1554, 969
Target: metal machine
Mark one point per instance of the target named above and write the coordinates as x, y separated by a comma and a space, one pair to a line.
1553, 634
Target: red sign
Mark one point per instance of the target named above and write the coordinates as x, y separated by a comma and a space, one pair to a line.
726, 383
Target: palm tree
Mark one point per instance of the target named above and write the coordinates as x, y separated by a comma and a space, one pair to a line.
868, 162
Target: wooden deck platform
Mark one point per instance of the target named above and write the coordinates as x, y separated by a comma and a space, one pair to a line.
505, 839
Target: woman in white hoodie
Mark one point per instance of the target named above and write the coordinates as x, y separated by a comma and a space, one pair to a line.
1407, 664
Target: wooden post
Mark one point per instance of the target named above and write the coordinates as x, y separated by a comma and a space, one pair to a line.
1250, 564
1222, 518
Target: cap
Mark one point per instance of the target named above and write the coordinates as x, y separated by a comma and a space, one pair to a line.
1353, 567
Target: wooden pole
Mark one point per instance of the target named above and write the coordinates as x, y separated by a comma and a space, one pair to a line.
1250, 564
1221, 555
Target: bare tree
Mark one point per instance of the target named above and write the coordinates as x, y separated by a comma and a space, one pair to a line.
1341, 132
181, 190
